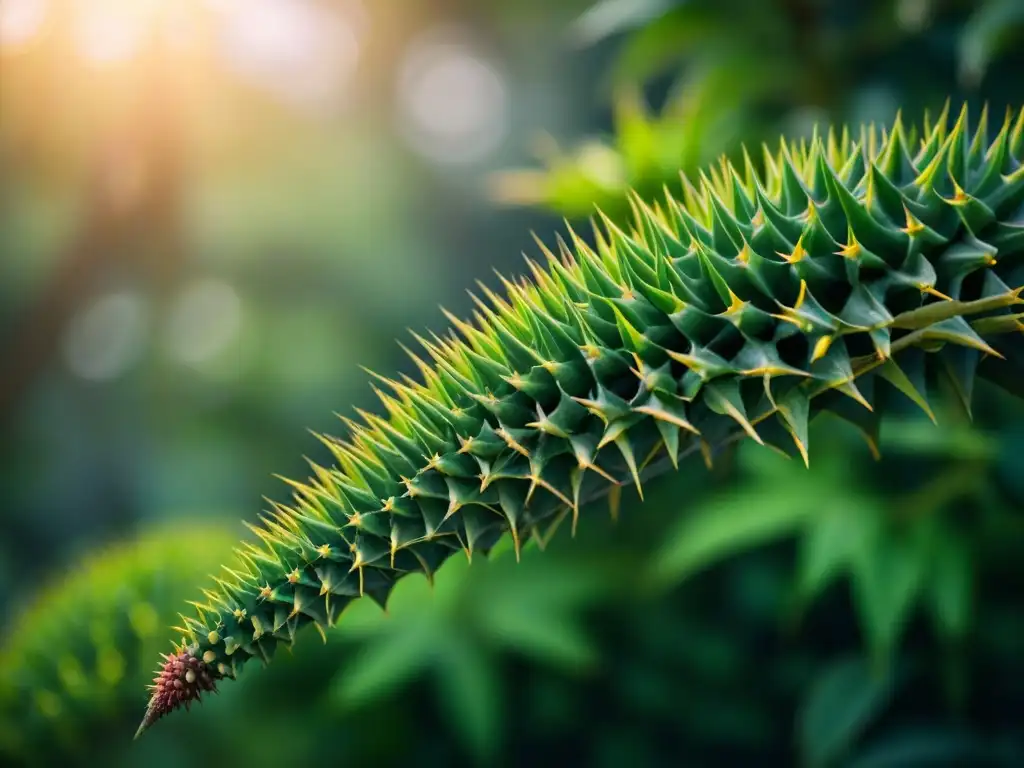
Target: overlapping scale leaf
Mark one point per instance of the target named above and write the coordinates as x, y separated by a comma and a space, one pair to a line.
854, 268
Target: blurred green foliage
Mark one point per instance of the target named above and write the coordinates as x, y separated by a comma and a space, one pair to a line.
747, 71
898, 546
860, 614
457, 631
74, 661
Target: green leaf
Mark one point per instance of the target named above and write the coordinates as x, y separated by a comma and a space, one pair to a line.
728, 525
845, 525
544, 583
985, 35
449, 583
888, 575
608, 17
504, 548
1008, 464
545, 636
532, 608
363, 618
932, 748
470, 692
919, 437
950, 591
391, 661
838, 708
682, 32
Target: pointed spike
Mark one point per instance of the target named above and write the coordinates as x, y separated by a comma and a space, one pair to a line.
615, 502
626, 449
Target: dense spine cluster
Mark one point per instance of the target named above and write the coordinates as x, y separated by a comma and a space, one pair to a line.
182, 679
851, 264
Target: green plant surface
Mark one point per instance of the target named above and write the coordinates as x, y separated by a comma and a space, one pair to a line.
72, 662
856, 269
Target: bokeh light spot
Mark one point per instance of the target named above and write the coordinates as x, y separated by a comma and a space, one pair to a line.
144, 619
453, 103
107, 337
205, 319
48, 704
108, 32
110, 665
913, 15
21, 21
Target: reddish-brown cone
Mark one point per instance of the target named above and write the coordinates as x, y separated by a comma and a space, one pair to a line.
180, 680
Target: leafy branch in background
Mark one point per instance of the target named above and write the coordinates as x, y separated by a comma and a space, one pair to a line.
891, 547
991, 30
926, 555
789, 65
648, 153
71, 664
455, 628
856, 267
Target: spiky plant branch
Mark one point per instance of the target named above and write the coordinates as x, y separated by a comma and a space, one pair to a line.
854, 266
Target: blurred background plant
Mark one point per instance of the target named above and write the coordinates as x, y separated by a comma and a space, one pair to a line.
214, 211
723, 73
73, 661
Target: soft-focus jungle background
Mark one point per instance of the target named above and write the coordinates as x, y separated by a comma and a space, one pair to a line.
213, 212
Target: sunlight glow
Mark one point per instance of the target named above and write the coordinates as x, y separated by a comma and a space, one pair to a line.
304, 52
21, 21
108, 32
